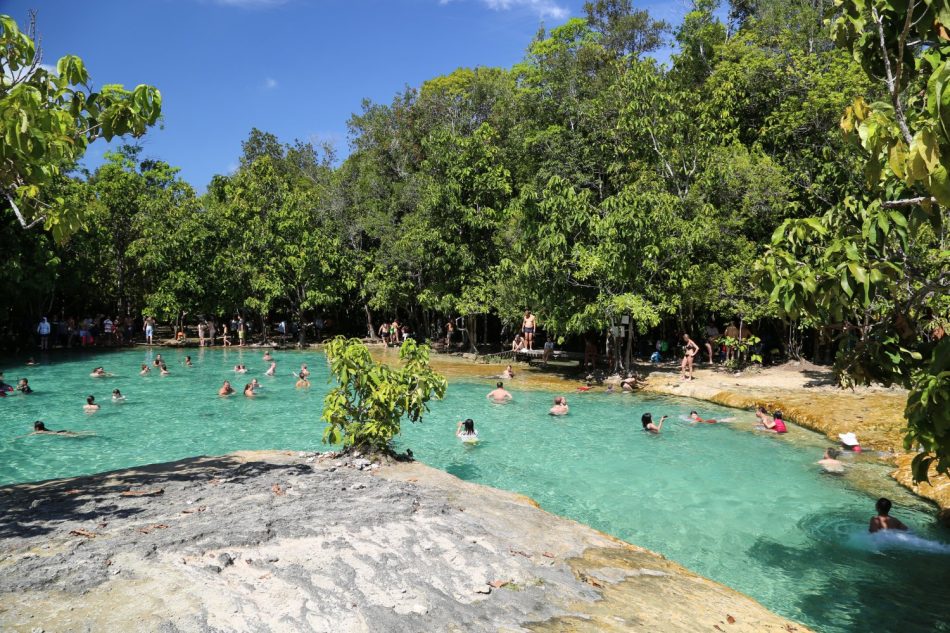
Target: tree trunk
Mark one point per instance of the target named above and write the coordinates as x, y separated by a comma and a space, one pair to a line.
629, 352
302, 333
471, 323
369, 322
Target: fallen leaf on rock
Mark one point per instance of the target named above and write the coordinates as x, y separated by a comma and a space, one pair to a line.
278, 490
730, 619
85, 533
152, 528
592, 581
520, 553
548, 555
498, 584
143, 493
191, 510
73, 491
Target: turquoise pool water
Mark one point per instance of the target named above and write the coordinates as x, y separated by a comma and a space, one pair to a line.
745, 508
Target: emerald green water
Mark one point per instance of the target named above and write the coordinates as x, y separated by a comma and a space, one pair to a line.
748, 509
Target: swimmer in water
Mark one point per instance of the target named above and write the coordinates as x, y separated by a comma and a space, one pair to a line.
188, 361
40, 429
587, 386
255, 385
271, 370
508, 374
90, 406
30, 362
695, 419
117, 396
647, 420
465, 431
240, 369
773, 423
883, 520
23, 386
267, 357
99, 372
304, 372
226, 389
146, 370
158, 360
165, 371
248, 390
498, 394
829, 462
560, 406
302, 383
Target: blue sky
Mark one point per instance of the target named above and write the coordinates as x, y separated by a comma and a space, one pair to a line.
296, 68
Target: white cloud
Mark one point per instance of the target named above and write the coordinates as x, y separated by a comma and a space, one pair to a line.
269, 83
543, 8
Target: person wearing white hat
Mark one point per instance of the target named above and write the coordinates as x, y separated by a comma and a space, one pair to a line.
850, 442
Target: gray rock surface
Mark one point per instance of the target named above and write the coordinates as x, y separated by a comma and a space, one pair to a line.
278, 542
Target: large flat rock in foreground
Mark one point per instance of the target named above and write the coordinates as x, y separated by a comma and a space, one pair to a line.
271, 541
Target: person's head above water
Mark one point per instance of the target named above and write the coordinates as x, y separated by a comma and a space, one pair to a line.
646, 418
692, 413
560, 400
777, 415
500, 384
39, 426
761, 409
832, 453
883, 506
469, 425
90, 399
116, 392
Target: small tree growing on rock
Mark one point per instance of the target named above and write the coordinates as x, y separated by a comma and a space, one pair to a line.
370, 400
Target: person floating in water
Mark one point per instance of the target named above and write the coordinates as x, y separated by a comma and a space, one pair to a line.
829, 462
23, 386
883, 520
508, 374
465, 430
117, 396
99, 372
695, 419
647, 420
146, 370
226, 389
498, 394
188, 361
560, 406
248, 390
40, 429
90, 406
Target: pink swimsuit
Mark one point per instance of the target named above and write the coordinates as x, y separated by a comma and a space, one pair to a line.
780, 426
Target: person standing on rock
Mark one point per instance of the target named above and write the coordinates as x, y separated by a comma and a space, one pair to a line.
689, 353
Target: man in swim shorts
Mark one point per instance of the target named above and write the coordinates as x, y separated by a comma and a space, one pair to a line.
527, 326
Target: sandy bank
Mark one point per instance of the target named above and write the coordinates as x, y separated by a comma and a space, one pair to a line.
289, 542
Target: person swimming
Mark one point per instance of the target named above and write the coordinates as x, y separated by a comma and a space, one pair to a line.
31, 362
267, 357
255, 385
240, 369
248, 390
647, 421
829, 462
145, 371
304, 372
773, 423
465, 430
302, 383
694, 419
99, 372
498, 394
90, 406
226, 389
271, 370
883, 520
509, 373
40, 429
117, 396
560, 406
158, 360
23, 386
188, 361
165, 371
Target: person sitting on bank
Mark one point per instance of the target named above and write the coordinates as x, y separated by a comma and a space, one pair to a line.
498, 394
883, 520
509, 373
560, 406
518, 344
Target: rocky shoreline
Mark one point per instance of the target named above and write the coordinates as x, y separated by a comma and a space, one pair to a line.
276, 541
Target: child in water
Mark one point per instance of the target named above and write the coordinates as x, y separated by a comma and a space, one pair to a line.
117, 396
